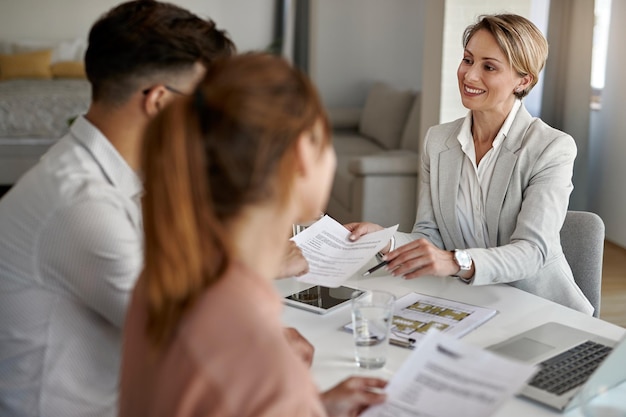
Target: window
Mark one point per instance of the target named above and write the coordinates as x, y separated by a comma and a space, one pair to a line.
600, 41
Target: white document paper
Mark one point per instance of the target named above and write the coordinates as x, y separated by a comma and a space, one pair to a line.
416, 314
332, 257
445, 377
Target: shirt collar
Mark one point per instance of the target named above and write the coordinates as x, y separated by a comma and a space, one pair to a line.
113, 165
465, 135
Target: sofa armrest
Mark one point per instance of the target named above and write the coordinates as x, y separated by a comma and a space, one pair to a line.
391, 163
345, 117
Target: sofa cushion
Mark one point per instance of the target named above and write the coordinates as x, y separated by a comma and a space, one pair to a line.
68, 69
350, 143
385, 114
345, 117
397, 162
67, 50
411, 134
342, 184
26, 65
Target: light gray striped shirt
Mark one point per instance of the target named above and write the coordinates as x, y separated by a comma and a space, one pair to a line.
70, 252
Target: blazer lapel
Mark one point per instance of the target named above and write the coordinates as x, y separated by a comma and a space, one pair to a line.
503, 170
450, 163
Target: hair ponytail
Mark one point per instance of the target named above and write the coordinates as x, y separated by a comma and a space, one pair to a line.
185, 247
207, 158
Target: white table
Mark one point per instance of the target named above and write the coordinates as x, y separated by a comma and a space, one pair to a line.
517, 311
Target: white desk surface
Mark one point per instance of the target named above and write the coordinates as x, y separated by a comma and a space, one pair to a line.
517, 311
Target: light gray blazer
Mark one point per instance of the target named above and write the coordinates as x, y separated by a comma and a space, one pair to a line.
525, 210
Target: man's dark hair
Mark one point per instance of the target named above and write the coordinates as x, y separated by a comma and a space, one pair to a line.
144, 39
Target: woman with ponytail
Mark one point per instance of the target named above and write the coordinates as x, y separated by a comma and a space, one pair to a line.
228, 170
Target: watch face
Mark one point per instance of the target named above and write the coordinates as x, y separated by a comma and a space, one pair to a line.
463, 259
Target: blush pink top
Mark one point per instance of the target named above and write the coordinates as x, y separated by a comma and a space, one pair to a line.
228, 358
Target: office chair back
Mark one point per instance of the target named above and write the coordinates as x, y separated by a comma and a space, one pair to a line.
582, 239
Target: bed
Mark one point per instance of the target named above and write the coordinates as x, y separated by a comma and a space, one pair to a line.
41, 91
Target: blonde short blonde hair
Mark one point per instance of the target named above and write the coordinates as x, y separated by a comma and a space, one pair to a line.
519, 39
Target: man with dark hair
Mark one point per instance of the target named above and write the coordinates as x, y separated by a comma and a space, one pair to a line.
146, 43
71, 247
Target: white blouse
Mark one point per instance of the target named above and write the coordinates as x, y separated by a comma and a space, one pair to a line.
475, 181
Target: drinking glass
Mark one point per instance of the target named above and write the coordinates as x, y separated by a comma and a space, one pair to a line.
372, 313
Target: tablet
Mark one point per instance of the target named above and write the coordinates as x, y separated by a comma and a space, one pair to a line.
320, 299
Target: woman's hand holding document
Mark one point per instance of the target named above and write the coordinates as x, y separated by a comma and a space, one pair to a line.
445, 377
332, 257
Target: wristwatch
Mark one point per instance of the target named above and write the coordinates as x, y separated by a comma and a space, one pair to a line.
463, 259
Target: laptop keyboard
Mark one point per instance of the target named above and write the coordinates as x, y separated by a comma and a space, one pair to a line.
570, 368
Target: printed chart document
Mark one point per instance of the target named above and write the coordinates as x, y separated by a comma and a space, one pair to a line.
332, 257
445, 377
415, 314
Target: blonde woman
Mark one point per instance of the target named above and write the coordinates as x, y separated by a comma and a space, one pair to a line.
494, 185
228, 171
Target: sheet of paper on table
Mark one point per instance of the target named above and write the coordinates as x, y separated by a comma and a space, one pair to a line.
415, 314
332, 257
445, 377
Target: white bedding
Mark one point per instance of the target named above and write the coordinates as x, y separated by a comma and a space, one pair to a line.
32, 109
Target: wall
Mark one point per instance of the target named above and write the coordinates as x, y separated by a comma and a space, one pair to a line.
354, 42
357, 42
249, 22
458, 15
608, 128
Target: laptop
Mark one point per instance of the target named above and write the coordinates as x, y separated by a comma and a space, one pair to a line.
570, 361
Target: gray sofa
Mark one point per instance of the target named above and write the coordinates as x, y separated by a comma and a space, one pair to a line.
377, 159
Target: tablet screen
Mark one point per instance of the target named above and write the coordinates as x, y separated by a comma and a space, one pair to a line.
320, 299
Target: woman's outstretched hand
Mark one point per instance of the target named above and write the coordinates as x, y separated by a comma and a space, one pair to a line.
360, 229
294, 264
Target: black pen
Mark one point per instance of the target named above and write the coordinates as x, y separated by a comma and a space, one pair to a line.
375, 268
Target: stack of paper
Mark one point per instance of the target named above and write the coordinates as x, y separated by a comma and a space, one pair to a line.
444, 377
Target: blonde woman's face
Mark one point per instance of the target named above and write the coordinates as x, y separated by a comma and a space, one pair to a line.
486, 79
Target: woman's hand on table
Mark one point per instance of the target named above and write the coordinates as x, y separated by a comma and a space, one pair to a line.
350, 397
419, 258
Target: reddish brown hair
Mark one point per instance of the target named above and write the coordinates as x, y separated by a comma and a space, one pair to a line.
230, 145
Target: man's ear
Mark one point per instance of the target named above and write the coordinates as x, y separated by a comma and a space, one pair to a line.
154, 100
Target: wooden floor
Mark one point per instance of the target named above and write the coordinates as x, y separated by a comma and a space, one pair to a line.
613, 303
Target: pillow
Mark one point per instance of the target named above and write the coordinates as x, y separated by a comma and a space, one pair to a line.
27, 65
411, 134
68, 50
68, 69
385, 114
24, 46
